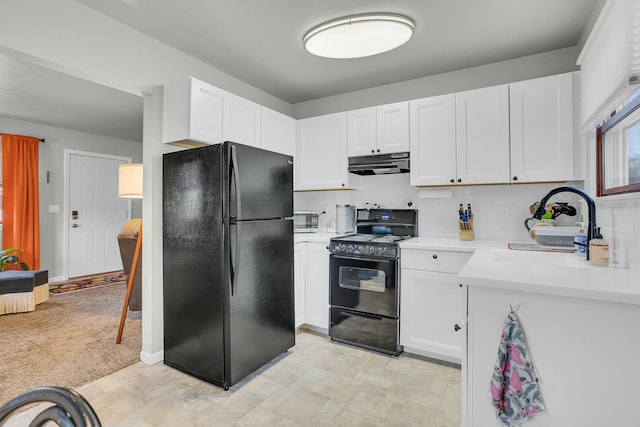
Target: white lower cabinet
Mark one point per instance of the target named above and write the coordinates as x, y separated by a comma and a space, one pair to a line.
316, 310
299, 281
432, 303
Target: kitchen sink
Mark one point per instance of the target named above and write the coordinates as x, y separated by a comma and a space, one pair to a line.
556, 259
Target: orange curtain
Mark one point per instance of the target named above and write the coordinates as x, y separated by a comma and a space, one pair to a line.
21, 211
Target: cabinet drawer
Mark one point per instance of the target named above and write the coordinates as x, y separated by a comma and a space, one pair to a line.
434, 260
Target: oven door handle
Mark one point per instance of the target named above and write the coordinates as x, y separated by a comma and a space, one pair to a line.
364, 259
366, 316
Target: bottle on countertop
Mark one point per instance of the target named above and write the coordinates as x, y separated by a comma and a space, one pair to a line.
599, 250
580, 241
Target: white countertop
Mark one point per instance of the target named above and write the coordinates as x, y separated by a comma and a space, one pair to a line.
563, 274
319, 237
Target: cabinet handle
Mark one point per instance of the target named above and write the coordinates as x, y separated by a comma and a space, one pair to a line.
456, 327
378, 150
373, 151
460, 284
515, 178
435, 256
453, 180
459, 179
343, 184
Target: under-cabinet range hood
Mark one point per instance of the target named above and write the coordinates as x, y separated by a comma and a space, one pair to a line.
379, 164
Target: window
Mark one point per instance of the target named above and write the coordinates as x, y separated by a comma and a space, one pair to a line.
618, 157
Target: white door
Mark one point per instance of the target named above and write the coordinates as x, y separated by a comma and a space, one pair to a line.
95, 214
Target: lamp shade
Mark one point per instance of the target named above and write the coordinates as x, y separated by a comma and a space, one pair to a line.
130, 181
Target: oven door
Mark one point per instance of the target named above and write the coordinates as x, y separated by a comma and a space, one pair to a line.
367, 285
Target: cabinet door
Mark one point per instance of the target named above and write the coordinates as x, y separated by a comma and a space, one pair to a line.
542, 129
317, 286
321, 153
393, 128
278, 132
431, 306
361, 127
432, 135
482, 135
243, 120
192, 113
299, 269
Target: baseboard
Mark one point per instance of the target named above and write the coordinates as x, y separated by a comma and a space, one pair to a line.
56, 279
151, 358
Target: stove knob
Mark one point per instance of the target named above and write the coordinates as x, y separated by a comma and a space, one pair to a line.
370, 250
360, 250
342, 247
379, 250
350, 249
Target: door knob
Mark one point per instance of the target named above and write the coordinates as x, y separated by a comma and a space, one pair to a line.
74, 225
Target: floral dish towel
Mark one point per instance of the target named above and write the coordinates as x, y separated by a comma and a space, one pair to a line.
515, 392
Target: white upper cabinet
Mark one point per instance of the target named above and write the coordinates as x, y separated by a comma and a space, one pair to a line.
460, 138
278, 132
321, 153
542, 129
482, 135
193, 113
433, 140
197, 113
378, 130
242, 120
362, 132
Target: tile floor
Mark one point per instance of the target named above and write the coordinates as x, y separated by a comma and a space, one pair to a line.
316, 383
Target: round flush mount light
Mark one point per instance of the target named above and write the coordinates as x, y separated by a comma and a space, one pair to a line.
358, 36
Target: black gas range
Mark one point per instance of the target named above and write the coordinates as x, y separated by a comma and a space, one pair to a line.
364, 279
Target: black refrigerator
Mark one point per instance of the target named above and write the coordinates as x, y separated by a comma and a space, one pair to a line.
228, 260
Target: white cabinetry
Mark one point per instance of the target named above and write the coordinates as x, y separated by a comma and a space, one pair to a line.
379, 130
242, 120
321, 153
482, 135
197, 113
432, 303
299, 270
461, 138
541, 122
316, 312
278, 132
433, 140
579, 347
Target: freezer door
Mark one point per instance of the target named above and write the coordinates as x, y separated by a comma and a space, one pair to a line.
258, 184
259, 264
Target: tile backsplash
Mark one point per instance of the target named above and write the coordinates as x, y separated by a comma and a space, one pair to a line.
499, 210
617, 216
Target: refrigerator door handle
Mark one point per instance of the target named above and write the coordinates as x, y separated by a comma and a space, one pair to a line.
236, 176
234, 256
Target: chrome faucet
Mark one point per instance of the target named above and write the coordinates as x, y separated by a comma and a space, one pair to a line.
591, 227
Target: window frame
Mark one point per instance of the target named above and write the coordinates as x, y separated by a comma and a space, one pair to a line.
601, 130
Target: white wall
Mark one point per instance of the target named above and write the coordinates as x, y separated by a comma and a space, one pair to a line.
51, 158
528, 67
437, 217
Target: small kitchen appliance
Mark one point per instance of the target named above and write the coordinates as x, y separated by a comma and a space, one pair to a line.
345, 219
305, 221
364, 279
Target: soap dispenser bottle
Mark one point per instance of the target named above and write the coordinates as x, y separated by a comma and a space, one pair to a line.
580, 241
599, 250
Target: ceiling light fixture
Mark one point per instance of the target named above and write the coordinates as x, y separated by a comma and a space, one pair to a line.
358, 36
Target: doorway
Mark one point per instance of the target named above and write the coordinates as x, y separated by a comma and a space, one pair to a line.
93, 213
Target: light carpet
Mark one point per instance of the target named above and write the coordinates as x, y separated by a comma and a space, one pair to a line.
67, 341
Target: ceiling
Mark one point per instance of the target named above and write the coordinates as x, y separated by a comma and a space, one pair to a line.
260, 43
